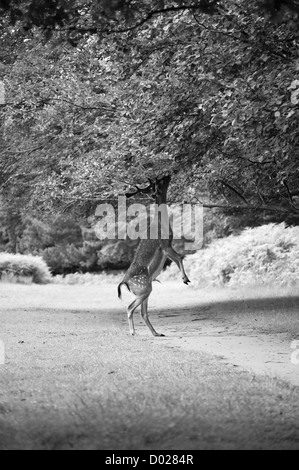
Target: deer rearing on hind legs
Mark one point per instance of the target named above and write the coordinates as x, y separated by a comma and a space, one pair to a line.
151, 255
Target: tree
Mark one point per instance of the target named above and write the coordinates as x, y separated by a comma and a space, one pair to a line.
207, 91
108, 16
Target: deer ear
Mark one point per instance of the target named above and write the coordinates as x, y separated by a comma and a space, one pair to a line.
130, 194
146, 190
133, 194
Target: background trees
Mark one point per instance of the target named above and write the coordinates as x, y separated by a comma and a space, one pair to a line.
100, 95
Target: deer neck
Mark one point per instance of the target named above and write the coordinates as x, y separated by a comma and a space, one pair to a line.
161, 197
160, 221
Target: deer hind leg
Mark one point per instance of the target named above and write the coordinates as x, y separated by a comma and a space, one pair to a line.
141, 287
174, 256
131, 309
144, 315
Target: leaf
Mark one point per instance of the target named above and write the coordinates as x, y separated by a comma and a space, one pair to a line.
294, 85
290, 114
259, 129
295, 97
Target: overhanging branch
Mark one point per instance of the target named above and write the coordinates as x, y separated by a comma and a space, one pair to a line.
291, 200
247, 207
251, 207
204, 7
232, 189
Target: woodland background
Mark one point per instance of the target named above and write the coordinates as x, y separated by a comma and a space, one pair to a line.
101, 95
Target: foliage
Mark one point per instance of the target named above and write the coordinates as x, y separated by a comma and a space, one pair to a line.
61, 243
24, 266
211, 98
77, 17
68, 247
38, 235
214, 106
117, 255
63, 259
266, 254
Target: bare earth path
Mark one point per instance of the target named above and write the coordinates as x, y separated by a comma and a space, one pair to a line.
252, 329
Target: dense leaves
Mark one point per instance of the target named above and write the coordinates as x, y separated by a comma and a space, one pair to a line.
208, 92
113, 15
268, 254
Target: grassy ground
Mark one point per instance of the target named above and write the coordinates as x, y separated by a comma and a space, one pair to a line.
75, 379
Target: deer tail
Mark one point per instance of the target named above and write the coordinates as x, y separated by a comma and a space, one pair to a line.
119, 288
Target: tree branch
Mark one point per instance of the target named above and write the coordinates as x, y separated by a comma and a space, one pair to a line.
161, 12
290, 196
262, 207
234, 190
104, 106
248, 207
149, 16
34, 149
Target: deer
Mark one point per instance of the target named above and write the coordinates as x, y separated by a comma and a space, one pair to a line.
151, 255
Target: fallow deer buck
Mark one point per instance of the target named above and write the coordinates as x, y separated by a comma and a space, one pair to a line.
151, 255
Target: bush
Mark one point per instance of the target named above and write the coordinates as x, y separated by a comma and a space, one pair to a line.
24, 266
266, 254
63, 259
117, 255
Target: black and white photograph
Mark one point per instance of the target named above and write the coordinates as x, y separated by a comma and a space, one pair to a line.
149, 227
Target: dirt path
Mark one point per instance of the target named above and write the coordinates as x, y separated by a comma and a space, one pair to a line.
262, 354
229, 324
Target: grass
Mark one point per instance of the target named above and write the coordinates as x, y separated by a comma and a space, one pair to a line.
75, 379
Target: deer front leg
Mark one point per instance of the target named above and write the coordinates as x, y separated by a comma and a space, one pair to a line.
174, 256
144, 315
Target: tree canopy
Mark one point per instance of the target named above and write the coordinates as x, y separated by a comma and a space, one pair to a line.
100, 95
109, 16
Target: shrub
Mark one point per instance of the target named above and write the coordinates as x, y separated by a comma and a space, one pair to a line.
63, 258
266, 254
117, 255
20, 266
